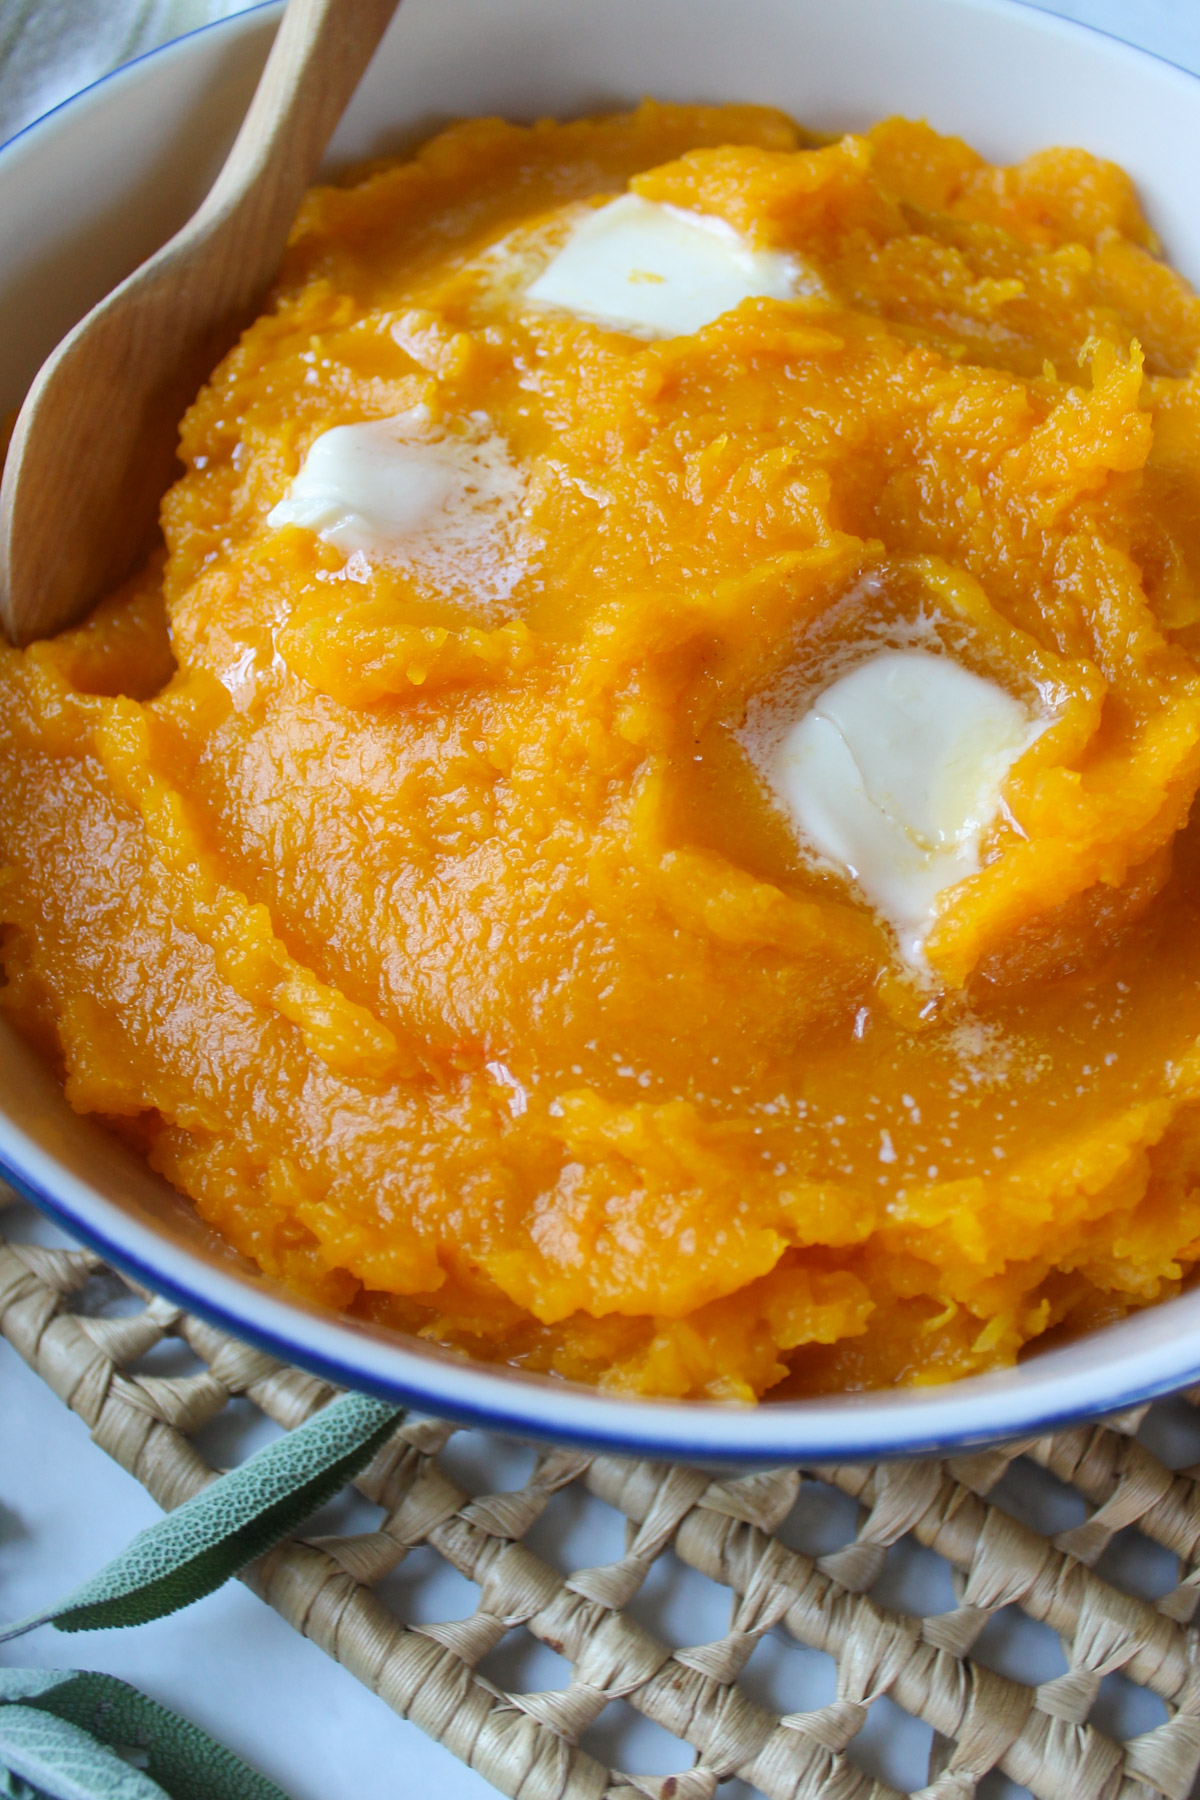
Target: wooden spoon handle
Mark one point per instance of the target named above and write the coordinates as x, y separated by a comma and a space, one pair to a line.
319, 56
94, 444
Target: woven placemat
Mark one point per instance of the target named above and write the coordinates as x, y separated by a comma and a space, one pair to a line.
74, 1323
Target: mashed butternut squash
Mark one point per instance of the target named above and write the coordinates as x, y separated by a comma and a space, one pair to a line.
419, 905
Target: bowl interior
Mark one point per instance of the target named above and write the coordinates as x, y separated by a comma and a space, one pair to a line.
86, 193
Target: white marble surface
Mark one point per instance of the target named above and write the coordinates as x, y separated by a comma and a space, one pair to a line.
230, 1663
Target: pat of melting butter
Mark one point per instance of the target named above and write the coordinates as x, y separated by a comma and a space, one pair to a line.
643, 267
896, 772
446, 502
363, 486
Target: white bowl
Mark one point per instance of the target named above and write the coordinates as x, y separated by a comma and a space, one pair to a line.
90, 190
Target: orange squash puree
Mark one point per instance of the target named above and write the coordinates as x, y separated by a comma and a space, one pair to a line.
454, 960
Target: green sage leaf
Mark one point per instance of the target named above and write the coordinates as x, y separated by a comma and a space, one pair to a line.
231, 1522
65, 1761
184, 1760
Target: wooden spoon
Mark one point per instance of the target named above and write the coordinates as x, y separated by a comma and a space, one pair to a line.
94, 444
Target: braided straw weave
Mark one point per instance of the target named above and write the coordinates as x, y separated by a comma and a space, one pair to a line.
61, 1320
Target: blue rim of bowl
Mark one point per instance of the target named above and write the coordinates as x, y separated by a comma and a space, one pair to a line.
746, 1447
794, 1440
231, 21
1051, 21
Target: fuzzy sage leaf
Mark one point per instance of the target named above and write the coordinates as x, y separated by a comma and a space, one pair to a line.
60, 1759
231, 1522
185, 1762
